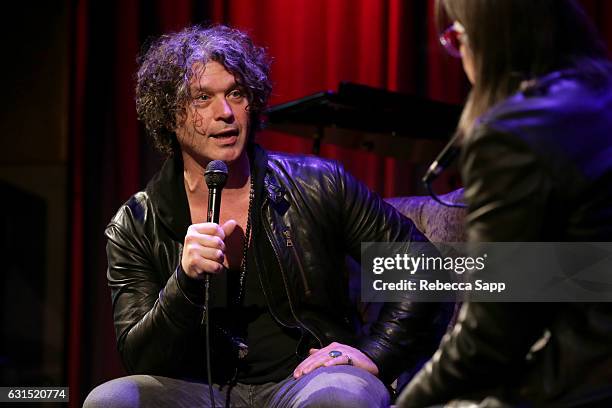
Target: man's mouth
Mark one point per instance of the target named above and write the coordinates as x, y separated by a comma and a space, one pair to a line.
227, 133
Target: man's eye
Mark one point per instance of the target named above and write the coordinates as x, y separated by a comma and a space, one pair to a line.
203, 98
236, 94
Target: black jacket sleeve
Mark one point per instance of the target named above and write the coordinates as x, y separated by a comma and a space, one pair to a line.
153, 315
406, 333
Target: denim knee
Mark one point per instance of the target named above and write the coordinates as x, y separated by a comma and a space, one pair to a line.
343, 386
118, 393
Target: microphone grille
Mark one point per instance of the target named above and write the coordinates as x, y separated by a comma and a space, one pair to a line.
216, 174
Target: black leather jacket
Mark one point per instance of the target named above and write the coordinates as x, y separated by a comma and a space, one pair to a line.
312, 213
537, 168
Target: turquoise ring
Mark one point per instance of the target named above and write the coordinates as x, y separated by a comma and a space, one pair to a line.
335, 353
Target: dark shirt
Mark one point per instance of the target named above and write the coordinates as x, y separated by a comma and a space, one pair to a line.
271, 346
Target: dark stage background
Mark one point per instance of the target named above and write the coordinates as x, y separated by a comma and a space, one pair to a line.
72, 112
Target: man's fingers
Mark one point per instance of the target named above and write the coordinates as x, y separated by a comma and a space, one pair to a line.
315, 360
347, 356
193, 240
194, 251
229, 227
304, 367
313, 364
212, 254
204, 248
317, 357
208, 228
343, 359
201, 266
299, 370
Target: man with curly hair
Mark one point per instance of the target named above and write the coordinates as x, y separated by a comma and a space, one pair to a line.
280, 317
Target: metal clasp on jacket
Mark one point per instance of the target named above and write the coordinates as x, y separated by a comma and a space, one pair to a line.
275, 191
289, 243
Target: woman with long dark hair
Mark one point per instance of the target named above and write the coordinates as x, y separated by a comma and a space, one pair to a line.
536, 161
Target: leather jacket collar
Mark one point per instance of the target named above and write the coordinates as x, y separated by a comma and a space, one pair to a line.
167, 189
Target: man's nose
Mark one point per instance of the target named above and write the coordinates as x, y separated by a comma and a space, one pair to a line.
223, 110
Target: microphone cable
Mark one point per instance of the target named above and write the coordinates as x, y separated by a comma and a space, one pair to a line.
442, 161
206, 322
215, 177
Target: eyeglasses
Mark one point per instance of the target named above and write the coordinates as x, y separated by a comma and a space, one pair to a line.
452, 38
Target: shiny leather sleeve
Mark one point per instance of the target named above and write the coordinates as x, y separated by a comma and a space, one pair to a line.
405, 333
153, 318
507, 188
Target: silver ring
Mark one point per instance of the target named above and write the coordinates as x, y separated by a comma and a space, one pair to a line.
335, 353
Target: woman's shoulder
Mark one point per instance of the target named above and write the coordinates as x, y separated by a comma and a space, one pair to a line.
551, 111
557, 98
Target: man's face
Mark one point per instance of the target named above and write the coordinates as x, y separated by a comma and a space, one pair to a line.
216, 125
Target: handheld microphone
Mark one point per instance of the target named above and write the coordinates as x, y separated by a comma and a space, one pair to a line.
443, 160
215, 176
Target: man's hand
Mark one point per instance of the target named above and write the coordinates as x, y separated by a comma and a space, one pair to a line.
204, 248
321, 358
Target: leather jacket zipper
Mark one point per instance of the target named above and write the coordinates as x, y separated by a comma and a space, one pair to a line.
289, 241
278, 320
282, 271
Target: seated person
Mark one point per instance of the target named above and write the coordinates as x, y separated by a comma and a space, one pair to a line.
537, 166
280, 317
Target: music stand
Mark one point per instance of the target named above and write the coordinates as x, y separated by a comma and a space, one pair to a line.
362, 117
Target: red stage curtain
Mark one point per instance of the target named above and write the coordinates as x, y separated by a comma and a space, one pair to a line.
316, 44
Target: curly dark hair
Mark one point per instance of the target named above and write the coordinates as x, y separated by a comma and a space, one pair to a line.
166, 68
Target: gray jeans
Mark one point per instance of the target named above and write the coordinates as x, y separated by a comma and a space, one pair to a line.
336, 386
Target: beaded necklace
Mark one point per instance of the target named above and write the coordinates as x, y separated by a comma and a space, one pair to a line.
245, 246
